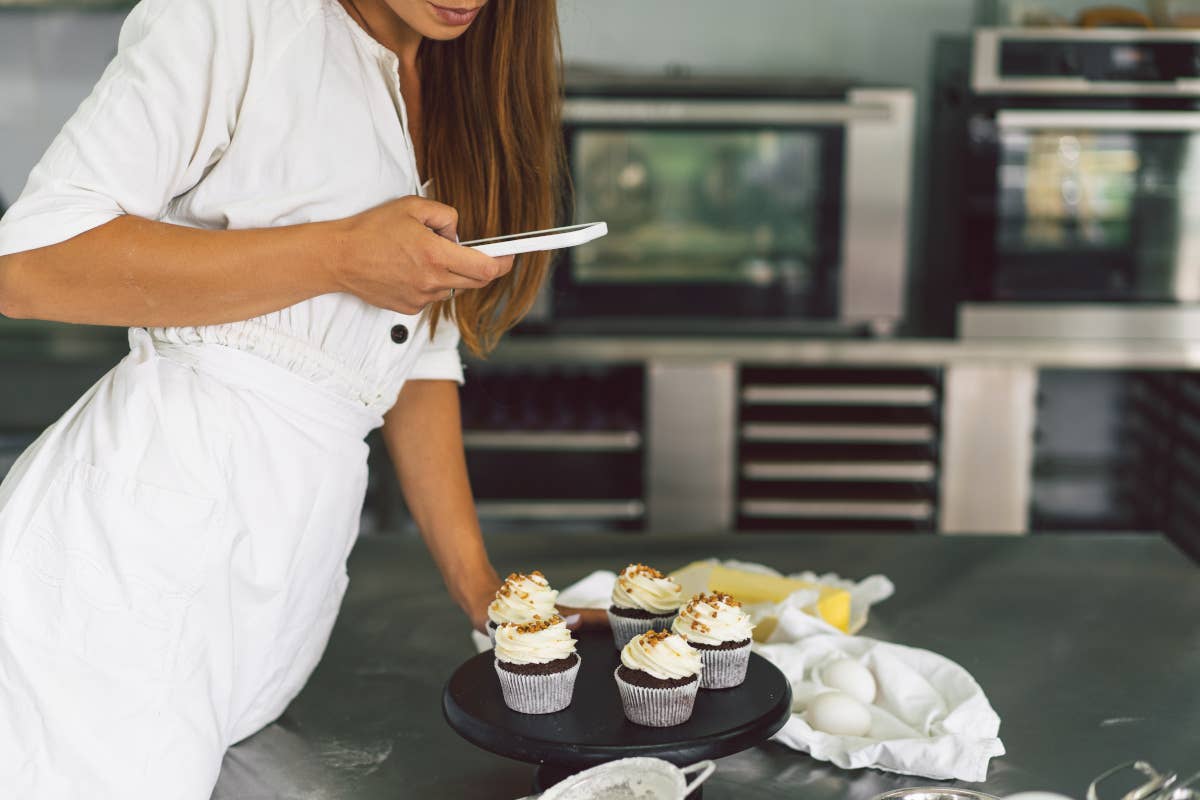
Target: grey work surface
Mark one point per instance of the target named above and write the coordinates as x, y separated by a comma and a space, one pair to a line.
1087, 646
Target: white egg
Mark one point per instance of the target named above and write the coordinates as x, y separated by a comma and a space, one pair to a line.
850, 677
839, 714
803, 693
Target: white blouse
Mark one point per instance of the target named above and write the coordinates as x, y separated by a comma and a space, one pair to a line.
247, 114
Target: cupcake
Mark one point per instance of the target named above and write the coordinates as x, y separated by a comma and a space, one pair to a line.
715, 625
522, 599
537, 665
659, 677
643, 599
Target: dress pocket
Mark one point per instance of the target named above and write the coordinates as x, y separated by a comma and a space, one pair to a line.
106, 568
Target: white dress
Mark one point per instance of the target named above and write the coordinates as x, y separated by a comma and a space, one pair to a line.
172, 550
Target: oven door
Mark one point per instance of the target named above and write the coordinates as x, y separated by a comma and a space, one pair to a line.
1086, 206
763, 210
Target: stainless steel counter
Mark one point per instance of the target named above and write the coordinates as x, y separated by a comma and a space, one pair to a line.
1088, 647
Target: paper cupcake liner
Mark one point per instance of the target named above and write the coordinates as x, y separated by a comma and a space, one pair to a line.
538, 694
625, 628
724, 669
657, 708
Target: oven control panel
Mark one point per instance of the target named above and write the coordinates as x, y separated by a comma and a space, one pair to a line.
1070, 61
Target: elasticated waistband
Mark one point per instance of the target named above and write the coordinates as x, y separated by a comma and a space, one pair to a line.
254, 374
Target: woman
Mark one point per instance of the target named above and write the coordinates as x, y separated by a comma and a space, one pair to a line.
241, 189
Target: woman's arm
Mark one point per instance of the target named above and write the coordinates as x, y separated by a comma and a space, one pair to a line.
132, 271
423, 433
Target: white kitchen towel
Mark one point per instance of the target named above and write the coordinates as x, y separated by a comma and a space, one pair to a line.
594, 591
930, 718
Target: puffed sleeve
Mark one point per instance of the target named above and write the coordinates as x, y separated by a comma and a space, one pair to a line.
160, 116
440, 360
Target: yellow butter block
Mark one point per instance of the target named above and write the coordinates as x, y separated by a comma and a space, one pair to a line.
751, 588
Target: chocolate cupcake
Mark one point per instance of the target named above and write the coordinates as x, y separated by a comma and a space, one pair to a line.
522, 599
659, 678
643, 599
715, 625
536, 665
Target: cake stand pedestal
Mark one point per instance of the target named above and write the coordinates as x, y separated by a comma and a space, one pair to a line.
593, 729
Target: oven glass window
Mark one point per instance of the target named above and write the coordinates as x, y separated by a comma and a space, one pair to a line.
1098, 215
721, 221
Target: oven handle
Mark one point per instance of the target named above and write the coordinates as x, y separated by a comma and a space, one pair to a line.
1167, 121
582, 110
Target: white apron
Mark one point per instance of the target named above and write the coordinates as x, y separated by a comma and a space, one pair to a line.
172, 558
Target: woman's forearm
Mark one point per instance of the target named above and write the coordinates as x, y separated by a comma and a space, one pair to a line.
133, 271
423, 433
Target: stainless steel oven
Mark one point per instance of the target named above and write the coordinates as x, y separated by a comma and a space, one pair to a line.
753, 204
1083, 186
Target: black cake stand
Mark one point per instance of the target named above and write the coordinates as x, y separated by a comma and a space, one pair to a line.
593, 729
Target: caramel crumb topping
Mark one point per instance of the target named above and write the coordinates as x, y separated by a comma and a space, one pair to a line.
510, 584
713, 600
534, 627
651, 639
642, 569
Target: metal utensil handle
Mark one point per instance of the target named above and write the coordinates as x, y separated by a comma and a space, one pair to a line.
1152, 787
1181, 791
1141, 766
705, 768
1162, 121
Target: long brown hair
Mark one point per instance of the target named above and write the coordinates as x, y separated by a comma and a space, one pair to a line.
491, 106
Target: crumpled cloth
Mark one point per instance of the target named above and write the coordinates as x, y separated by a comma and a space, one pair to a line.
930, 718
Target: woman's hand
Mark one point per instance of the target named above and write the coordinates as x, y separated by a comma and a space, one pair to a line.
588, 618
403, 255
475, 602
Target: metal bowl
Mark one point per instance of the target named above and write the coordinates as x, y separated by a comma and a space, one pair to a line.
934, 793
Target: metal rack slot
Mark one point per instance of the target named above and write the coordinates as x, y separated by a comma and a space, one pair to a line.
838, 471
839, 448
558, 441
784, 432
820, 509
619, 510
839, 395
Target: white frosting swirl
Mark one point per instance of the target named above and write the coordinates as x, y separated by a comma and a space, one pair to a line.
713, 619
534, 644
663, 655
641, 587
523, 599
